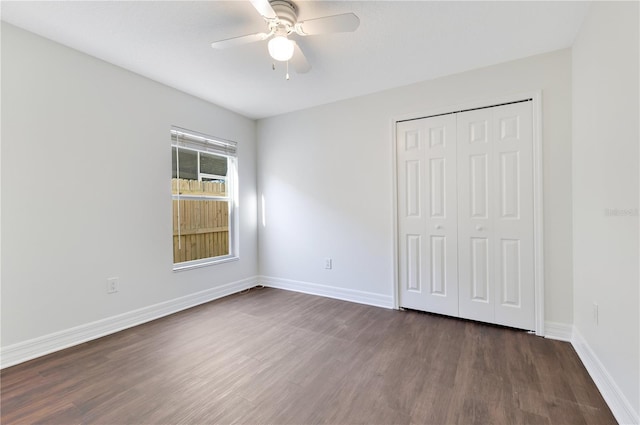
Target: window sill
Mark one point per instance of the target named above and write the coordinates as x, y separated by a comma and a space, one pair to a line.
194, 265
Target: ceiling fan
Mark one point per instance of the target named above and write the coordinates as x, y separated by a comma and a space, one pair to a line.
281, 17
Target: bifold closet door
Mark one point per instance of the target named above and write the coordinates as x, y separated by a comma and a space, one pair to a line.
427, 217
495, 215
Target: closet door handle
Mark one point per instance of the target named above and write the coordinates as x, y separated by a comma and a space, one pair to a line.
438, 226
479, 228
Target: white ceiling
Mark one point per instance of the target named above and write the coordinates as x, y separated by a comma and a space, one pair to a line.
398, 43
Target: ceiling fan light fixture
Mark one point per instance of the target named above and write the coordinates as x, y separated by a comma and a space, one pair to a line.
280, 48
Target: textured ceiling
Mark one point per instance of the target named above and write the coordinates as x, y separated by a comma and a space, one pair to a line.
398, 43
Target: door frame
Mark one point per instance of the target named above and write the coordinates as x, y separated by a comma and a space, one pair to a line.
538, 210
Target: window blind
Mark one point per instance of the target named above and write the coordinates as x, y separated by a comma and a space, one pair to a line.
192, 140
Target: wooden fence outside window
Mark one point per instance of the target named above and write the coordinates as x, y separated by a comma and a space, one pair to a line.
204, 223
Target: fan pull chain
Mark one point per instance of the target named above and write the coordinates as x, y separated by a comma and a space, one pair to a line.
273, 66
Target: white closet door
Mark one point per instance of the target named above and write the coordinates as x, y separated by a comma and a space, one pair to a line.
427, 218
475, 210
495, 215
513, 220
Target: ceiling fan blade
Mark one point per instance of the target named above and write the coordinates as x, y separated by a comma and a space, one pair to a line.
347, 22
264, 8
298, 61
237, 41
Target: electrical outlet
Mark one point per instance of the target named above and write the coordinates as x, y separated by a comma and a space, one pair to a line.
112, 285
595, 314
328, 263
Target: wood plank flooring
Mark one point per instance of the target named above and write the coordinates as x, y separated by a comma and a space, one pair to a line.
278, 357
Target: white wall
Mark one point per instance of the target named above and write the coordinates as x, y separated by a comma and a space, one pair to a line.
326, 176
86, 192
605, 176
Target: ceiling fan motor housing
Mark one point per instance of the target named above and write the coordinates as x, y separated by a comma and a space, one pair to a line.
287, 11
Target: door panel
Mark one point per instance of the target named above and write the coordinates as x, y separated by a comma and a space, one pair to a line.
496, 143
475, 209
414, 258
427, 217
479, 185
438, 187
510, 276
509, 184
438, 265
413, 189
411, 204
513, 225
480, 269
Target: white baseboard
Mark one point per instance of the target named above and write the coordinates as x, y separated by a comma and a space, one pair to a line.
27, 350
559, 331
360, 297
618, 403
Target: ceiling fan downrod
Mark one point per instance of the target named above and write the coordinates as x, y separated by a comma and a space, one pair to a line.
286, 14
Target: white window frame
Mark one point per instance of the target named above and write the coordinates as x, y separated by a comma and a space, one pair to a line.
183, 139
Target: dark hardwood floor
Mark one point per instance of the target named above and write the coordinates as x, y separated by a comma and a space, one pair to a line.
271, 356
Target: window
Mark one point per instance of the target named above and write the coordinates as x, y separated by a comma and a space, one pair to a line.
204, 192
